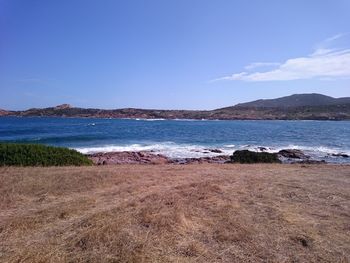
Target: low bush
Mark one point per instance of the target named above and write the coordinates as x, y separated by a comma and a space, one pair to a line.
245, 156
39, 155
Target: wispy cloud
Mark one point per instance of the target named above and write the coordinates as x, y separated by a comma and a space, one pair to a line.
323, 63
261, 64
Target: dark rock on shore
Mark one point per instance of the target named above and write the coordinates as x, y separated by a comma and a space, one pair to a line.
213, 150
262, 149
344, 155
293, 154
245, 156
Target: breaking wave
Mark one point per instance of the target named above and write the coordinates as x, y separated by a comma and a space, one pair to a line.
174, 150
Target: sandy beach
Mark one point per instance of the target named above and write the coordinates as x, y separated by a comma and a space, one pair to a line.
176, 213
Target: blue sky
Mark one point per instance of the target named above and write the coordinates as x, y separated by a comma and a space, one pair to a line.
183, 54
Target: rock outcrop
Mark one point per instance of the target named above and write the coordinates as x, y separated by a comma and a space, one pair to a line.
145, 157
128, 158
63, 107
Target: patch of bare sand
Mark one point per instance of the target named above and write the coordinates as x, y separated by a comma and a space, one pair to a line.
169, 213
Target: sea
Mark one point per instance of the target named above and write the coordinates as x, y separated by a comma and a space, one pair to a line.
182, 138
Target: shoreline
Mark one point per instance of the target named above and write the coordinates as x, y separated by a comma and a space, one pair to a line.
286, 156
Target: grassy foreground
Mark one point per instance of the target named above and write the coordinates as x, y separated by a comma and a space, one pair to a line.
169, 213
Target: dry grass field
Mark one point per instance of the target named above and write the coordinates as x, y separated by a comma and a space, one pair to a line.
175, 213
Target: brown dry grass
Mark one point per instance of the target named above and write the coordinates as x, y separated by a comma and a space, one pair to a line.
167, 213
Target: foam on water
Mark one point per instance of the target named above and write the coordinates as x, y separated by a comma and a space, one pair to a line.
141, 119
169, 149
174, 150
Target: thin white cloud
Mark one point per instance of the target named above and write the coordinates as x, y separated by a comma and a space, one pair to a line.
322, 51
261, 64
323, 63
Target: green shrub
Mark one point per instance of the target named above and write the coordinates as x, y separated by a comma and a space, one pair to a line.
39, 155
246, 156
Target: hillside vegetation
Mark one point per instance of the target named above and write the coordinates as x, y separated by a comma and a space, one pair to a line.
39, 155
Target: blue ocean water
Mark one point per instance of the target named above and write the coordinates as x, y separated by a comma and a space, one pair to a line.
181, 138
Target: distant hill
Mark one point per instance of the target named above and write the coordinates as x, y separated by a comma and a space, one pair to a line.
296, 100
294, 107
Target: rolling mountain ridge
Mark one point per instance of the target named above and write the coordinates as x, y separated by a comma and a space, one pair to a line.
296, 100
